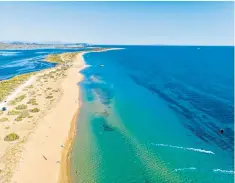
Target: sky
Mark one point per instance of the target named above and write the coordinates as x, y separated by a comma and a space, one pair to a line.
141, 23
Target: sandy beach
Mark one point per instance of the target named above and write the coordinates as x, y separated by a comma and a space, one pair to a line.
47, 106
36, 155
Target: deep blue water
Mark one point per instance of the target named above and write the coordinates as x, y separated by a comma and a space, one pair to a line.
16, 62
154, 114
151, 114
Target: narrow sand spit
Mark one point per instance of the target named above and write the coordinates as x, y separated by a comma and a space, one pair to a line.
43, 113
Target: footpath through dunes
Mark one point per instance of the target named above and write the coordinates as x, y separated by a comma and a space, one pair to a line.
38, 100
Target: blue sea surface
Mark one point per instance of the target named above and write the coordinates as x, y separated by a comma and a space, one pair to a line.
154, 114
16, 62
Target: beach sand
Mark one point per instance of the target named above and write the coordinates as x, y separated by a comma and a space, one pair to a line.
42, 152
36, 155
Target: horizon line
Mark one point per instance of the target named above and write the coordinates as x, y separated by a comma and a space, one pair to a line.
104, 44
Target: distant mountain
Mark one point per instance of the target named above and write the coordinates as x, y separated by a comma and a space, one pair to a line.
35, 45
44, 43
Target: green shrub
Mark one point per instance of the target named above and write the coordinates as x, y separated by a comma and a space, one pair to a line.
21, 107
35, 110
13, 112
49, 97
19, 118
11, 137
32, 101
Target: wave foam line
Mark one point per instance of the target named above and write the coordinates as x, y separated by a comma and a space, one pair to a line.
182, 169
224, 171
5, 53
185, 148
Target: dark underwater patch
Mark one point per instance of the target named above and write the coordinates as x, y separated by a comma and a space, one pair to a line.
203, 110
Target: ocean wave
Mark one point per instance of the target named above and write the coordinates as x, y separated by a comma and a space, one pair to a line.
185, 148
17, 63
183, 169
224, 171
5, 53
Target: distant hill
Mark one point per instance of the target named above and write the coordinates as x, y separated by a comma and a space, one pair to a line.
34, 45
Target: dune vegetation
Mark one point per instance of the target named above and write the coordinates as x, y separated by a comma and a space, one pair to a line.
11, 137
17, 99
34, 110
3, 119
8, 86
54, 58
61, 58
21, 107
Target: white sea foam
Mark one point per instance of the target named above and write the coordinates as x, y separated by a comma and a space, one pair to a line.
183, 169
86, 65
224, 171
185, 148
5, 53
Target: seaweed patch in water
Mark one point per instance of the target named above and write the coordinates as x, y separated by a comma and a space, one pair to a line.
107, 127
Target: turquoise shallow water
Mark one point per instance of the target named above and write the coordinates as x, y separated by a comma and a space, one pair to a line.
153, 114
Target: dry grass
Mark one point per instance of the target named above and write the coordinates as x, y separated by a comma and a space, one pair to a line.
54, 58
3, 119
14, 112
34, 110
18, 99
8, 86
49, 97
19, 118
21, 107
32, 101
30, 86
24, 114
61, 58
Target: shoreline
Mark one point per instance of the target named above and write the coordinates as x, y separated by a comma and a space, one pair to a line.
65, 169
46, 140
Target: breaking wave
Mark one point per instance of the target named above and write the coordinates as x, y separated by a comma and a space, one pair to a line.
185, 148
224, 171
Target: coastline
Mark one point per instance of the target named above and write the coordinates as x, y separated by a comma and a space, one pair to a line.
65, 176
65, 169
45, 140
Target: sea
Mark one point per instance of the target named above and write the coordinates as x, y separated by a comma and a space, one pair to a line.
149, 114
16, 62
156, 114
